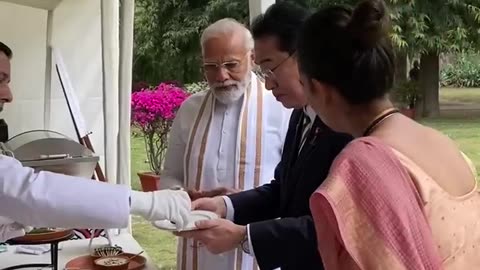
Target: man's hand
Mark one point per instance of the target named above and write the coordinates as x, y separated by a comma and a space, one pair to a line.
215, 204
221, 191
194, 194
218, 236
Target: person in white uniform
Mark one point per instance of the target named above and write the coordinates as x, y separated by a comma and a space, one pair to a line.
229, 137
47, 199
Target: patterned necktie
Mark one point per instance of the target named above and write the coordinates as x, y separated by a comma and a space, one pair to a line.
305, 129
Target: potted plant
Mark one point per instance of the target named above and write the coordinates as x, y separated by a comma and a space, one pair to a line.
153, 111
406, 94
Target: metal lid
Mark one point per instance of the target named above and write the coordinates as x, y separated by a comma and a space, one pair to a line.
51, 151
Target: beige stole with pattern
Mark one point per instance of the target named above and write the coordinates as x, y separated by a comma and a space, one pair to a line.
248, 157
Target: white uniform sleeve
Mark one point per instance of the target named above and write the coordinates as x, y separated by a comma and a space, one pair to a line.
54, 200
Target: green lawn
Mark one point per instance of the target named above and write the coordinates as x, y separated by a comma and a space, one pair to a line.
465, 131
139, 160
461, 95
160, 245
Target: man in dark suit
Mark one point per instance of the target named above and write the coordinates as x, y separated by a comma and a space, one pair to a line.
273, 222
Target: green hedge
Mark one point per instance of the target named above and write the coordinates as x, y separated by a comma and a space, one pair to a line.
464, 72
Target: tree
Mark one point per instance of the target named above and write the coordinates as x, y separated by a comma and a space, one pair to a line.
167, 36
433, 27
428, 28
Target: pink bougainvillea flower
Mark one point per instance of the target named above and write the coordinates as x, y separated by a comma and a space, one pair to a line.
153, 111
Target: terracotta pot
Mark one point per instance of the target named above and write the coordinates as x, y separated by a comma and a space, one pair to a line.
149, 181
410, 113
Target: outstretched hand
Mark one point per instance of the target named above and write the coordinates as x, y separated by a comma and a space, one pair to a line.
173, 205
218, 236
216, 205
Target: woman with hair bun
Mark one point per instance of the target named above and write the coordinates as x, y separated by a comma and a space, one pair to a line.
401, 195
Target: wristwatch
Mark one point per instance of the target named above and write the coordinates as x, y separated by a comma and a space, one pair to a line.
245, 245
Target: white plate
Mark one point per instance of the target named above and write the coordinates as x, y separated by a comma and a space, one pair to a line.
195, 216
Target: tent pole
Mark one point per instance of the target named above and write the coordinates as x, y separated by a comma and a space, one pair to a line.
110, 13
110, 58
47, 101
257, 7
127, 12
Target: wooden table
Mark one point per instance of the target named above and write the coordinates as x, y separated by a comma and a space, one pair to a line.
70, 250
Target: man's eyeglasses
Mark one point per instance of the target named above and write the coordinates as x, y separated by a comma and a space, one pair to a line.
263, 74
231, 67
234, 66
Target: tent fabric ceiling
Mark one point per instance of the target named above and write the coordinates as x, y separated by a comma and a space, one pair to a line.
42, 4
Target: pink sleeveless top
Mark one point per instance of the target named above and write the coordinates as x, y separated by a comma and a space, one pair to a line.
454, 221
378, 210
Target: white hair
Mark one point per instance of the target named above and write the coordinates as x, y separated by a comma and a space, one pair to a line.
227, 26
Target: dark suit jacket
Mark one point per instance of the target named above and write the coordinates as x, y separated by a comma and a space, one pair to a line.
290, 242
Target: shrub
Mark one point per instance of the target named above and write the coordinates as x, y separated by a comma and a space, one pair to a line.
139, 86
193, 88
406, 93
464, 72
153, 111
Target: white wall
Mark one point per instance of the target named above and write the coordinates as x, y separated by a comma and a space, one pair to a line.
23, 29
77, 35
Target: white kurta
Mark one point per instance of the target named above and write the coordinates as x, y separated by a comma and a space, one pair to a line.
219, 153
54, 200
219, 163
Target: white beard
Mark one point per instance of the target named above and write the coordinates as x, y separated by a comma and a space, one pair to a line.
230, 91
230, 95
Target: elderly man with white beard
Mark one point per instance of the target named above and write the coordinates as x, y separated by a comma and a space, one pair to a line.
227, 138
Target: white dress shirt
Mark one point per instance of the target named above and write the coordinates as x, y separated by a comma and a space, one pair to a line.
307, 124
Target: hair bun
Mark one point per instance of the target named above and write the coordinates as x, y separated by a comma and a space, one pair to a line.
369, 23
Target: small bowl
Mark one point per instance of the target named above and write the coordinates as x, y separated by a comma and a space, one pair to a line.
112, 263
106, 251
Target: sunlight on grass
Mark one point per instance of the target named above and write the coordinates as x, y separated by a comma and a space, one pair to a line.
139, 160
466, 132
160, 245
460, 95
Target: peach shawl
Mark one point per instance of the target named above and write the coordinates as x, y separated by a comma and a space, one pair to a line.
368, 214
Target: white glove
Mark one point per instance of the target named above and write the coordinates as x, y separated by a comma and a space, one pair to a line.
10, 229
173, 205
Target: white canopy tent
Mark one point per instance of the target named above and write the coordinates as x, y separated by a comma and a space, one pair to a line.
95, 40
